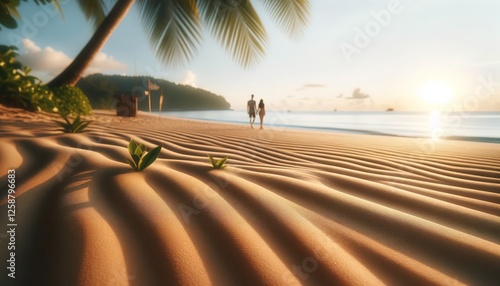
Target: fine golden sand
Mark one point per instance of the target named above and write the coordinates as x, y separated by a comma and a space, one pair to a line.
291, 208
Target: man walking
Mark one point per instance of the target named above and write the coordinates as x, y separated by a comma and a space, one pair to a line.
251, 108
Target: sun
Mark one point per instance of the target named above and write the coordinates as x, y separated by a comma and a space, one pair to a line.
435, 93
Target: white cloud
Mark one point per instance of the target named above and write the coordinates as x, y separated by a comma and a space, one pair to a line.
103, 62
357, 94
310, 85
47, 59
189, 79
48, 62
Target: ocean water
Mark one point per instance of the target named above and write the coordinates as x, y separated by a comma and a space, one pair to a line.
474, 126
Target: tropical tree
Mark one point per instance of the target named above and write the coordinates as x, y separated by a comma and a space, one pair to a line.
8, 11
175, 27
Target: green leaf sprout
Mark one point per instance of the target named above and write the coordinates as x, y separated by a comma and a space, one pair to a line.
141, 159
77, 126
217, 164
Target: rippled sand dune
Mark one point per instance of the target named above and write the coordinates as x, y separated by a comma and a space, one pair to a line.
291, 208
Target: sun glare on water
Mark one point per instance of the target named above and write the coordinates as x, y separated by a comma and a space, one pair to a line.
435, 93
435, 130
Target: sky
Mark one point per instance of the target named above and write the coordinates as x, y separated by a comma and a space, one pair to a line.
353, 55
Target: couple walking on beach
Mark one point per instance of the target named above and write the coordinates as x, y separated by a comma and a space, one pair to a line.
252, 109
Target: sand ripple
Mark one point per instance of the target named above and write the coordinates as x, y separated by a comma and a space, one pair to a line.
291, 208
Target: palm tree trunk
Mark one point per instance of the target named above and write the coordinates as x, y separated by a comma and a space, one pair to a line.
74, 71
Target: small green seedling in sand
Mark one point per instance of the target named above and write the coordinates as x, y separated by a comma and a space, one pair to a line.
77, 126
218, 164
141, 159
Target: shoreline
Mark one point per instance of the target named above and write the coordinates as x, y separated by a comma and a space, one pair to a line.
292, 207
495, 140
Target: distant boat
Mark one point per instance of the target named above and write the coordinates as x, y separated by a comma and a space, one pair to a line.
390, 109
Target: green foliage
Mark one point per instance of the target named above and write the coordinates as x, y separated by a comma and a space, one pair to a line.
71, 100
64, 100
8, 10
77, 126
175, 28
141, 159
218, 164
100, 89
19, 89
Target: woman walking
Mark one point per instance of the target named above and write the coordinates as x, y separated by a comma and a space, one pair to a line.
262, 112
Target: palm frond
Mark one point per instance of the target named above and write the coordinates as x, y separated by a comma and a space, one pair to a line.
173, 27
54, 2
290, 15
95, 10
238, 28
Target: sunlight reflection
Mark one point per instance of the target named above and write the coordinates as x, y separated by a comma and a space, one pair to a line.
435, 125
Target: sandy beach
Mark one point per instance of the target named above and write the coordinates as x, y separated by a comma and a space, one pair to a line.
291, 207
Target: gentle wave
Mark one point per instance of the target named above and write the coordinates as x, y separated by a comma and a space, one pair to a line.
479, 126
